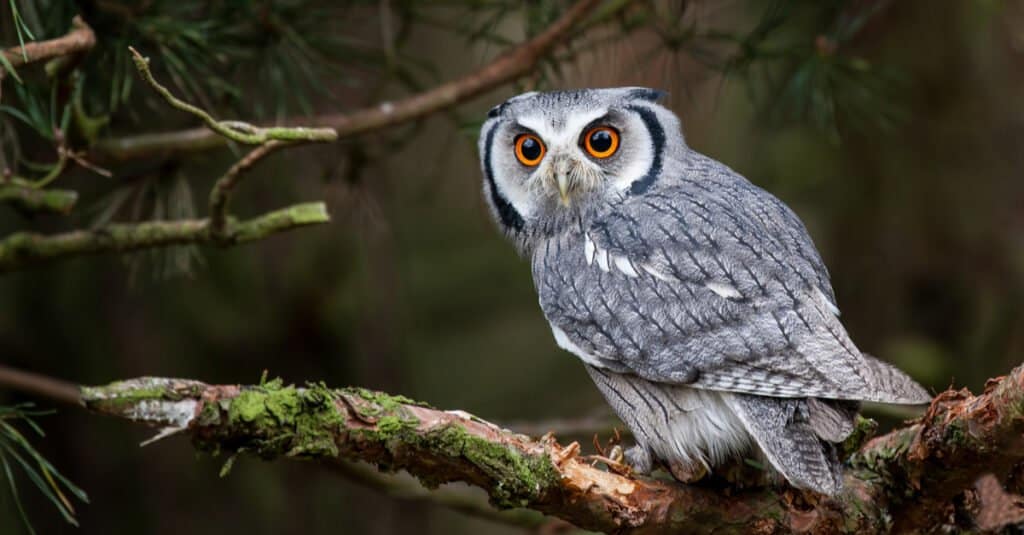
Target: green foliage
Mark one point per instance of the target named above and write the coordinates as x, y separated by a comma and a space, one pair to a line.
798, 66
17, 452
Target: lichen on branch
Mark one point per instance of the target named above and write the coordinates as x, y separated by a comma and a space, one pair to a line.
37, 200
25, 249
913, 472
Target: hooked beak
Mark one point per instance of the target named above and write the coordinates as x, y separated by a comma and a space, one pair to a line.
563, 188
561, 170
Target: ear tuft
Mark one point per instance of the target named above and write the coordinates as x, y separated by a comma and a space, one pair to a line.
648, 94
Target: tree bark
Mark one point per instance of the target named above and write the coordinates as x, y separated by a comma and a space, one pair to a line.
915, 476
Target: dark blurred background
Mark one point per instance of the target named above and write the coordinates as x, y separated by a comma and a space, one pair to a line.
894, 129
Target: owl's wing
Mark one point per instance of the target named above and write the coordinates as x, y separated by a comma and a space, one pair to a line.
711, 282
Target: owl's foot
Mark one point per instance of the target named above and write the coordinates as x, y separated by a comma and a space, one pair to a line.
687, 472
639, 458
613, 460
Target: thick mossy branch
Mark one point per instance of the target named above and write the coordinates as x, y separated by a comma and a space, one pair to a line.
22, 250
921, 469
913, 472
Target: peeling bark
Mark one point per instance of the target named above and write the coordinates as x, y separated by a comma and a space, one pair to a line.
911, 475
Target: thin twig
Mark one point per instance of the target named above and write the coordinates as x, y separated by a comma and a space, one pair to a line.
40, 385
220, 195
509, 66
24, 249
231, 130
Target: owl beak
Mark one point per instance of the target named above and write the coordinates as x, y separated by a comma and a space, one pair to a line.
563, 188
561, 169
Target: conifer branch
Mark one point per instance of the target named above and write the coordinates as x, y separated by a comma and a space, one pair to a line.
24, 249
37, 200
237, 131
514, 63
80, 38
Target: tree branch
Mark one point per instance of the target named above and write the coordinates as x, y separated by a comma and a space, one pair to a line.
40, 385
23, 249
911, 473
38, 200
79, 39
238, 131
512, 64
221, 192
408, 489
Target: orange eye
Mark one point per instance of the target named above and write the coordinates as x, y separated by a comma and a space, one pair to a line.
601, 141
529, 149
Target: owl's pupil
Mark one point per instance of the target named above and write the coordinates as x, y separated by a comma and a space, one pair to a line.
601, 140
530, 149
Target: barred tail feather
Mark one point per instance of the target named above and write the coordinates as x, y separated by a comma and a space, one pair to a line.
784, 431
893, 386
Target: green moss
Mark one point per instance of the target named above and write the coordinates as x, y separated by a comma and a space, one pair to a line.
956, 436
210, 414
278, 420
864, 429
385, 402
518, 479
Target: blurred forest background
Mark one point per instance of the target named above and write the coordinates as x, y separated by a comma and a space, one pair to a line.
894, 129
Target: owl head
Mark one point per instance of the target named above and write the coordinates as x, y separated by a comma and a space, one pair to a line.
550, 159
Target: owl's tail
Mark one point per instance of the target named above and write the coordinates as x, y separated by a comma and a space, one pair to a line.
893, 386
797, 436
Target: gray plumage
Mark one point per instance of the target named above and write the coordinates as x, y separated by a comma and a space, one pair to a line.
697, 300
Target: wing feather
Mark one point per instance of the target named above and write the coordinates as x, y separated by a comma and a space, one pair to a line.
711, 282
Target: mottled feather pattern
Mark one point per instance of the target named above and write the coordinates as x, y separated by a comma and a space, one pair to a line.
776, 339
697, 300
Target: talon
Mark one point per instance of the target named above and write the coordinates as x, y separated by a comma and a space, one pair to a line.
687, 472
616, 454
613, 465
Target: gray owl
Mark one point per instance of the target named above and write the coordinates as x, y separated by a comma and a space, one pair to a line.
696, 300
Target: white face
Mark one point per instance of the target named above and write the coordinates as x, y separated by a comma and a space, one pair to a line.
545, 161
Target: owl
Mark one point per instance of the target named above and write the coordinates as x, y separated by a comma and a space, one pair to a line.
696, 300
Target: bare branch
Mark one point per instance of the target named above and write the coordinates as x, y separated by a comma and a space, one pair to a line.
24, 249
79, 39
509, 66
40, 385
